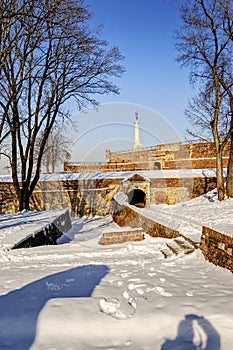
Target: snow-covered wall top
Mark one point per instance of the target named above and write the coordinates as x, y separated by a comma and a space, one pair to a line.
150, 174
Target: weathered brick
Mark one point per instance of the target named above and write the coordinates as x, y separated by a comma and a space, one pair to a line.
217, 248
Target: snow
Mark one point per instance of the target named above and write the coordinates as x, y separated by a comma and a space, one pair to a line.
121, 198
84, 296
15, 228
122, 229
189, 217
147, 174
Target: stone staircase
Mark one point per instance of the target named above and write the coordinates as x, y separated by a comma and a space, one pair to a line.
178, 246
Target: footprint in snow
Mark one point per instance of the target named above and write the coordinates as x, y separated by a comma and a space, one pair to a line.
132, 293
115, 308
151, 274
120, 283
161, 291
69, 280
125, 274
54, 286
131, 300
132, 287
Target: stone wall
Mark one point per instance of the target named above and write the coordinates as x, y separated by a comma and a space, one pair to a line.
91, 197
175, 156
196, 156
105, 167
217, 248
94, 197
83, 197
125, 215
8, 199
168, 156
175, 190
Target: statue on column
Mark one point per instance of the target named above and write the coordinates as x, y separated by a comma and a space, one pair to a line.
137, 144
108, 155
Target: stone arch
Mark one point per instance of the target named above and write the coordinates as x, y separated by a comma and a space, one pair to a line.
137, 197
157, 166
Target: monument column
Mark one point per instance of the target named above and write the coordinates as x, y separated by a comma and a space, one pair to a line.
137, 144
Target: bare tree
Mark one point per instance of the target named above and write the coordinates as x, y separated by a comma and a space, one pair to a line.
226, 8
5, 45
200, 113
51, 55
206, 48
56, 149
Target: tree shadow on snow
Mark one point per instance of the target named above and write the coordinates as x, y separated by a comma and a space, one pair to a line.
20, 308
21, 219
194, 333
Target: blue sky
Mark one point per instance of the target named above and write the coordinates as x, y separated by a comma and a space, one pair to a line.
144, 32
154, 84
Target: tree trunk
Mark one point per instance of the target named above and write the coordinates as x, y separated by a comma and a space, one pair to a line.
47, 164
229, 185
53, 167
24, 199
219, 176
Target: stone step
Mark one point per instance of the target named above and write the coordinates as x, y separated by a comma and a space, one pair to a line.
173, 249
166, 253
178, 246
196, 245
186, 247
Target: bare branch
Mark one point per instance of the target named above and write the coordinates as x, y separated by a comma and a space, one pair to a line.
205, 45
48, 54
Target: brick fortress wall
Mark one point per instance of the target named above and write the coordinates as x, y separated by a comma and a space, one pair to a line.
166, 156
173, 156
94, 197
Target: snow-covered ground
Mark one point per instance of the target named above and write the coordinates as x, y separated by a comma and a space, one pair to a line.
189, 217
82, 296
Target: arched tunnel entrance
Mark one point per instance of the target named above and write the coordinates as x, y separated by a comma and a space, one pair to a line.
137, 197
157, 166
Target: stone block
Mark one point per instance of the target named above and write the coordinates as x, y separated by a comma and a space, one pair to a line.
116, 237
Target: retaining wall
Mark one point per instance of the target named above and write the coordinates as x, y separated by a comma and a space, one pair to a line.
126, 215
217, 247
49, 234
94, 197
